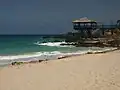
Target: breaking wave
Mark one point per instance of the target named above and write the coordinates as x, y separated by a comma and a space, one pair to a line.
4, 60
31, 55
57, 44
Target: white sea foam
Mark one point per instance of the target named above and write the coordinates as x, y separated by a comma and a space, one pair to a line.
38, 54
57, 44
44, 55
26, 57
33, 55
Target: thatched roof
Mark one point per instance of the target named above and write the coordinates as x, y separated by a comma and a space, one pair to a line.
85, 19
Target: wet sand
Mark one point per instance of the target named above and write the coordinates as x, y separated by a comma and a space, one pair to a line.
86, 72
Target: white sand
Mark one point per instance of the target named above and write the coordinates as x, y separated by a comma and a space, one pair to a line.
87, 72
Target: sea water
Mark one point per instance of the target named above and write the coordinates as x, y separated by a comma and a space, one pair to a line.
34, 47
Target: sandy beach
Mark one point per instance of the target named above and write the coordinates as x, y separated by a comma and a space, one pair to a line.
86, 72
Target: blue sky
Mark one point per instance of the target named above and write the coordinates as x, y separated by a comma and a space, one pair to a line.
52, 16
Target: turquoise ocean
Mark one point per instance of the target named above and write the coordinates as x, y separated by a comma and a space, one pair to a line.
34, 47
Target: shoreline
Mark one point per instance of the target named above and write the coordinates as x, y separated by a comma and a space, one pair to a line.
59, 57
